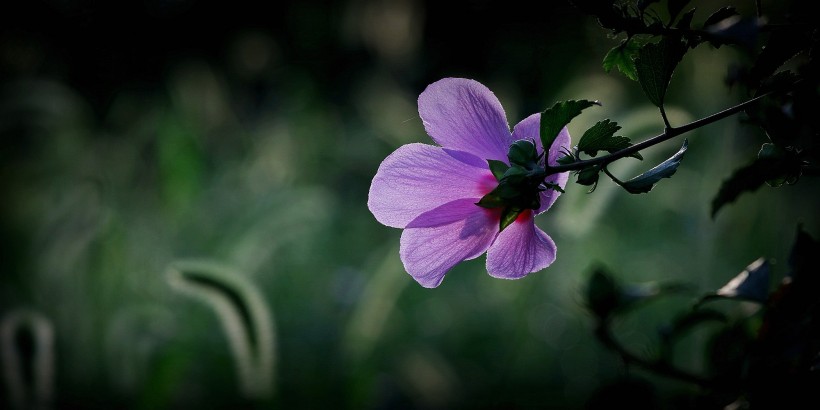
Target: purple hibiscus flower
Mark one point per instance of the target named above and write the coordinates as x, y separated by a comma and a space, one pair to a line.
432, 191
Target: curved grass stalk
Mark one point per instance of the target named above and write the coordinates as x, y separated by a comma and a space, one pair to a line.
29, 374
244, 315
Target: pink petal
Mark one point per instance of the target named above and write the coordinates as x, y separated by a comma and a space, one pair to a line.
418, 177
465, 115
520, 249
530, 128
461, 230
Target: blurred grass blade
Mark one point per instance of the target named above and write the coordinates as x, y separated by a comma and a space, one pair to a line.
243, 313
27, 340
377, 302
132, 343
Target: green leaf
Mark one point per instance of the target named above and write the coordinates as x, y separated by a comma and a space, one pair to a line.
597, 136
645, 182
600, 138
655, 64
508, 217
498, 168
623, 57
555, 118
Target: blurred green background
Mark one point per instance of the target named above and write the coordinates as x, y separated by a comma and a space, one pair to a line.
183, 221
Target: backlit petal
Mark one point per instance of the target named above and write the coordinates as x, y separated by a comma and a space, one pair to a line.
520, 249
428, 253
465, 115
418, 177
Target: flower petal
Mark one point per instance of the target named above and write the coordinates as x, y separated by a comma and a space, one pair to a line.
520, 249
530, 128
462, 231
418, 177
465, 115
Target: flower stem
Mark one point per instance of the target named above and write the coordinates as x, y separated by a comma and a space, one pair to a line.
665, 119
612, 177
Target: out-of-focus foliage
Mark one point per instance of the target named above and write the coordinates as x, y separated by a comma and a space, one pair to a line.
137, 138
762, 356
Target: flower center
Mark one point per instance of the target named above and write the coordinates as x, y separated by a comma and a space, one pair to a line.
519, 184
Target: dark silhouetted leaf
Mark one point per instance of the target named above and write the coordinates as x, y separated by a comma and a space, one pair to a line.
803, 261
603, 293
643, 4
555, 118
645, 182
735, 30
788, 341
609, 15
745, 179
750, 285
622, 393
655, 64
600, 138
674, 7
782, 45
685, 21
596, 136
773, 166
727, 352
720, 15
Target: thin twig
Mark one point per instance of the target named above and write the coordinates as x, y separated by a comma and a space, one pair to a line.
656, 366
668, 134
